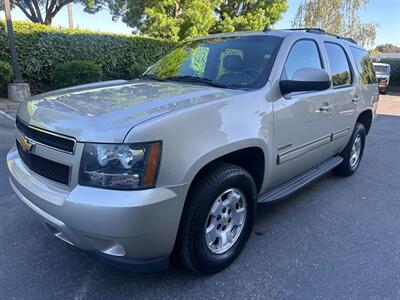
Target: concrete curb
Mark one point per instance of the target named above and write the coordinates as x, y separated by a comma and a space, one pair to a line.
8, 109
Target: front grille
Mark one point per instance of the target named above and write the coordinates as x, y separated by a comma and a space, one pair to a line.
44, 167
55, 141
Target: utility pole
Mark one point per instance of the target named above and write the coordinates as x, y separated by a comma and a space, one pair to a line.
18, 90
11, 42
70, 17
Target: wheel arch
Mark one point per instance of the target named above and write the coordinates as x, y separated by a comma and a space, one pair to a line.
365, 118
253, 157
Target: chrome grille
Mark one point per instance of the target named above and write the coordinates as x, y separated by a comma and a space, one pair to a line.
52, 140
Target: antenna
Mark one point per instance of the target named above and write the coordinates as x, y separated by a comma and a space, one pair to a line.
267, 28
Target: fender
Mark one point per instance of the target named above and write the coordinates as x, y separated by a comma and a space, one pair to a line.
227, 149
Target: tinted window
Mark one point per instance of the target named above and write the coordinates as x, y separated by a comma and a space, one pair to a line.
304, 54
233, 62
364, 65
340, 70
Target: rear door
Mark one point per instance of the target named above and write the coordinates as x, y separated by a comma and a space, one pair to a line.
343, 96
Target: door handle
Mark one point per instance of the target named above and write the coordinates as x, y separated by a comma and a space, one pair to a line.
355, 99
325, 107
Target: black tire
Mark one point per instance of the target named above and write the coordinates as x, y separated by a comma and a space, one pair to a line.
191, 245
346, 168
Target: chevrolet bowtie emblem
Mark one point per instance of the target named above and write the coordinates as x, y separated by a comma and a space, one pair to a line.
26, 144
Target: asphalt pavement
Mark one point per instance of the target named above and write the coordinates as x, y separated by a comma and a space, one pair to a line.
339, 238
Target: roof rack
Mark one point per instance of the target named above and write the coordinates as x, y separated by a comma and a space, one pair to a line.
319, 31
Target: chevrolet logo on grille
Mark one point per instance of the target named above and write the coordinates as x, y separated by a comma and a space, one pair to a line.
26, 144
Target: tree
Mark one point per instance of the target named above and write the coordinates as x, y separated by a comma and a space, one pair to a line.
387, 48
44, 11
185, 19
234, 15
338, 17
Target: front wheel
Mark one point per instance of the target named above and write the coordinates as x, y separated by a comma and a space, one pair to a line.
353, 152
217, 219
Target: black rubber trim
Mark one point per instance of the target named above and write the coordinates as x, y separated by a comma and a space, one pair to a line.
289, 86
45, 167
134, 265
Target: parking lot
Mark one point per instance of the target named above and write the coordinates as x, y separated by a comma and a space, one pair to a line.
338, 238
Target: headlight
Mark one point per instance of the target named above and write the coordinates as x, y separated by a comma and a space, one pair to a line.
121, 166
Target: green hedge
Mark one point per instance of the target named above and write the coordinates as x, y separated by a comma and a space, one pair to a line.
40, 48
5, 76
394, 70
76, 72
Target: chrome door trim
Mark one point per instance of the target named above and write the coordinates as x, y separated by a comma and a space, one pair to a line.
340, 134
304, 148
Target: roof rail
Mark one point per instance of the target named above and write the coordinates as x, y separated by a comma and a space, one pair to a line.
308, 29
321, 31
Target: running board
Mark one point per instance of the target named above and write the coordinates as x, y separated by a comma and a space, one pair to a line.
298, 182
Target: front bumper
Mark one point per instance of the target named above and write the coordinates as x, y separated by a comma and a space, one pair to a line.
129, 227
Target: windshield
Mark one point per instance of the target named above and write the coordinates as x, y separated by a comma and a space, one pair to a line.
231, 62
381, 69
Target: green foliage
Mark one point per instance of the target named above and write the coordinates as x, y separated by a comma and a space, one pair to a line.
374, 51
76, 72
5, 76
40, 48
239, 15
367, 70
171, 63
336, 16
387, 48
394, 70
185, 19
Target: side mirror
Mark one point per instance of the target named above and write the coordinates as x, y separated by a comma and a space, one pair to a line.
306, 79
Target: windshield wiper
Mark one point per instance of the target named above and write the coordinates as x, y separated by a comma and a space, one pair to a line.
151, 77
188, 78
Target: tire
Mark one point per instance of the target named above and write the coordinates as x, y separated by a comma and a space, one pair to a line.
226, 180
348, 165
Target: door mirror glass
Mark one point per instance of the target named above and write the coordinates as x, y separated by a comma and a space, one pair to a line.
305, 80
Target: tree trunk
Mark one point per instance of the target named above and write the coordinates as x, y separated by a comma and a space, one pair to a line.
177, 9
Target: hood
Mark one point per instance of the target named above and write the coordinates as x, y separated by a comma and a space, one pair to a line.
106, 113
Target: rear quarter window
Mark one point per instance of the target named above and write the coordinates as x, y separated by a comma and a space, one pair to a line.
364, 65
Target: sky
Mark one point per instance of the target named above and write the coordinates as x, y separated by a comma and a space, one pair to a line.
386, 13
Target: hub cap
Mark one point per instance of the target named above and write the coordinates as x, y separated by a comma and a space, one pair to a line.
225, 221
356, 151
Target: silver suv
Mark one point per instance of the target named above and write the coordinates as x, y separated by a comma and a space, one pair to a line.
178, 160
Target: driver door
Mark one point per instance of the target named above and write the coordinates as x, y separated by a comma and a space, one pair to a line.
302, 133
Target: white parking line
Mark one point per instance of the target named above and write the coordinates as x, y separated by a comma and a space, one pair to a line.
7, 116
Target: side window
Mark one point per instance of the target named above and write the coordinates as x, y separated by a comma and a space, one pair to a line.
304, 54
364, 65
339, 65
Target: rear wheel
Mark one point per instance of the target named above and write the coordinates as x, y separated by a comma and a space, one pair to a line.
217, 219
353, 152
